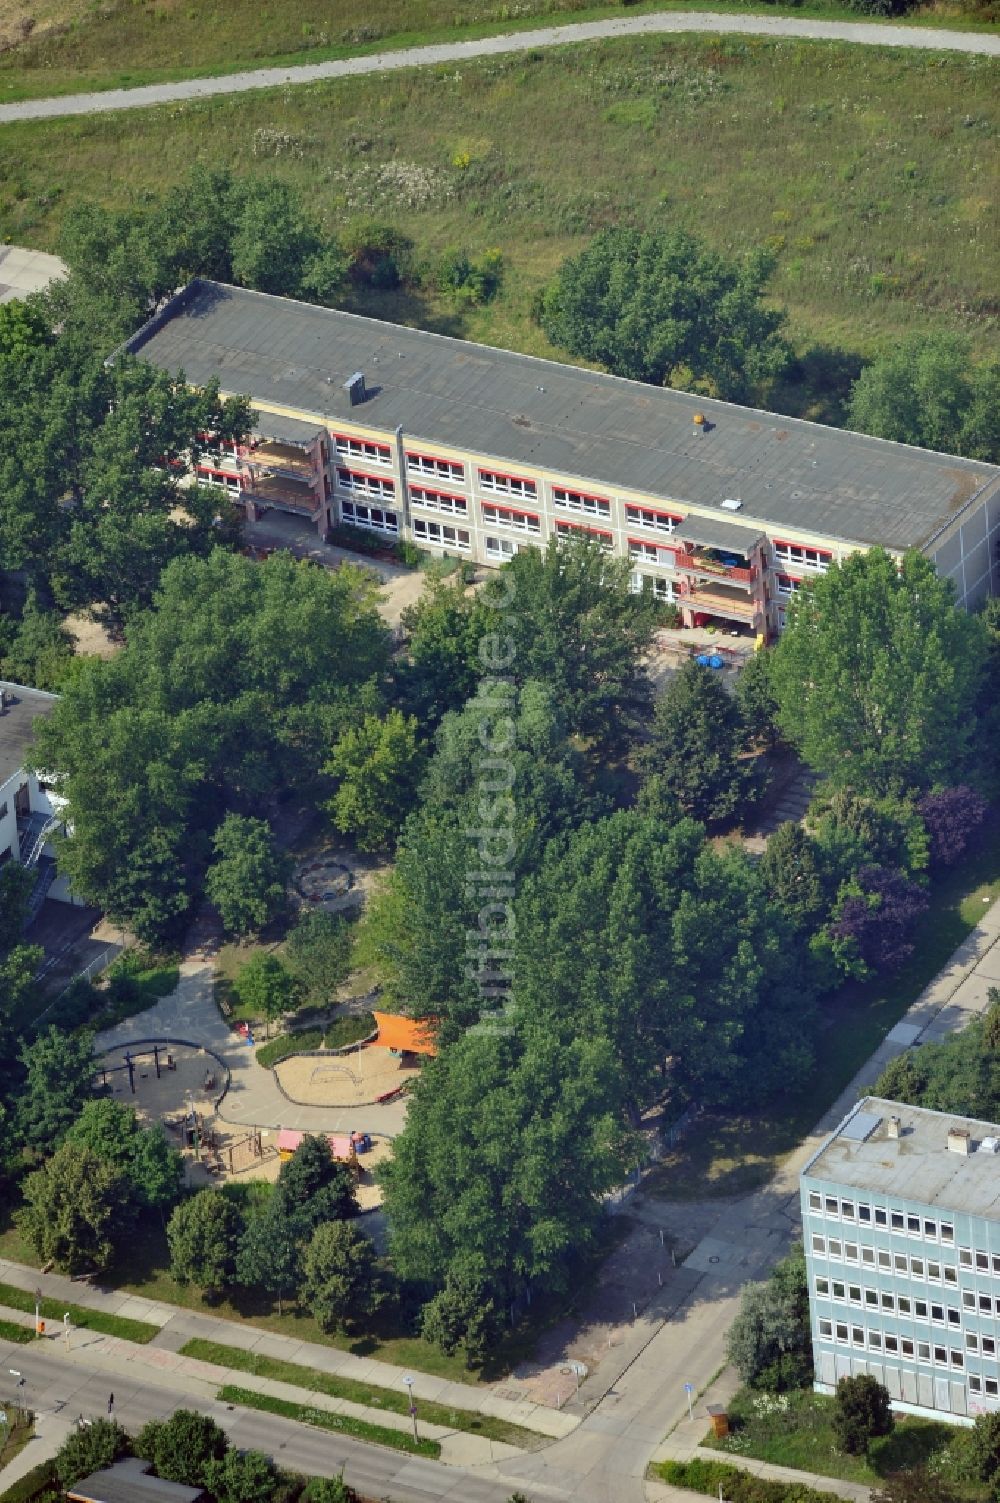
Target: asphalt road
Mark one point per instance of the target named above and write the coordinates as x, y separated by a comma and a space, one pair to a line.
72, 1389
868, 33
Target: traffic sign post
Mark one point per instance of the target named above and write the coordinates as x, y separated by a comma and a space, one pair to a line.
689, 1390
413, 1408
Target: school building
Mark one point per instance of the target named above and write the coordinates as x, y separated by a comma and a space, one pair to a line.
477, 452
901, 1225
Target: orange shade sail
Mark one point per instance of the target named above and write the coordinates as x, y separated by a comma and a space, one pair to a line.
415, 1035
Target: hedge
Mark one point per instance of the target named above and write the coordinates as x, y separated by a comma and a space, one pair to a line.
700, 1476
40, 1480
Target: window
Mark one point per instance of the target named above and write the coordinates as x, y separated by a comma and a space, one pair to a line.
661, 589
818, 1243
573, 529
851, 1252
839, 1290
210, 476
841, 1329
826, 1328
964, 1256
957, 1357
954, 1316
854, 1293
507, 485
438, 501
504, 548
896, 1219
968, 1299
996, 1262
991, 1386
864, 1213
362, 448
815, 1199
940, 1354
986, 1304
833, 1247
975, 1386
650, 553
884, 1259
920, 1309
434, 469
983, 1262
372, 517
847, 1210
901, 1261
934, 1272
906, 1346
858, 1335
441, 534
937, 1314
988, 1345
881, 1219
823, 1286
888, 1300
903, 1304
592, 506
923, 1351
950, 1274
506, 516
786, 586
644, 516
875, 1340
871, 1296
913, 1225
868, 1256
930, 1230
832, 1205
947, 1232
971, 1341
917, 1267
797, 556
366, 485
891, 1343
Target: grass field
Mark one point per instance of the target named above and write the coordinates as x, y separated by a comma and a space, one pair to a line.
731, 1155
343, 1424
872, 175
94, 1320
369, 1394
795, 1430
78, 44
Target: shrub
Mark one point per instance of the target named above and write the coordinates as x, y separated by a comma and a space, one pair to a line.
862, 1412
90, 1449
737, 1486
951, 816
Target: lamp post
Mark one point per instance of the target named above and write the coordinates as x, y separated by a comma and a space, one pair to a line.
413, 1408
20, 1387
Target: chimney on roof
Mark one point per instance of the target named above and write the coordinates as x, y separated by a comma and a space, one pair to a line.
959, 1141
355, 388
892, 1127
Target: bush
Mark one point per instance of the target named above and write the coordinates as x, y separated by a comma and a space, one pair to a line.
37, 1486
90, 1449
984, 1446
769, 1342
862, 1413
182, 1447
737, 1486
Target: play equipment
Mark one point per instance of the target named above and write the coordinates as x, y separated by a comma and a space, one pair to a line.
343, 1146
404, 1035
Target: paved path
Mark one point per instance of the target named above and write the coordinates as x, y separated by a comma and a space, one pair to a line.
869, 33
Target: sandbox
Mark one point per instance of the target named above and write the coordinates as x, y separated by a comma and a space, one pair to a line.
357, 1078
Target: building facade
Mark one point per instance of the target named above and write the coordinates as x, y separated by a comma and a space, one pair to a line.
722, 511
901, 1226
30, 809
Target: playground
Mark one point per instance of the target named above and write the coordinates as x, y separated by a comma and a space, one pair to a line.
371, 1074
334, 879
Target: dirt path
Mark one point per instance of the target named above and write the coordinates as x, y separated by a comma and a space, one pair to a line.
867, 33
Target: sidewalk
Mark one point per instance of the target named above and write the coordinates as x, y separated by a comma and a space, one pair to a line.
50, 1432
179, 1326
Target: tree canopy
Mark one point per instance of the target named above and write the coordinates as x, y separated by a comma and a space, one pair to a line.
877, 674
661, 307
694, 762
929, 391
247, 877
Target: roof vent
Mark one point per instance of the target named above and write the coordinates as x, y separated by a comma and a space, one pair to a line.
699, 424
990, 1145
355, 388
732, 503
959, 1141
892, 1127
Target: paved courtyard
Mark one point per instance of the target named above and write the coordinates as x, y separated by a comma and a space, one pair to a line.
23, 271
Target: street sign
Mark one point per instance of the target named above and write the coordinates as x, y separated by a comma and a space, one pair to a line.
689, 1388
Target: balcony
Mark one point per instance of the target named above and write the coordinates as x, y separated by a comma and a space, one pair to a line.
709, 563
719, 600
287, 460
281, 493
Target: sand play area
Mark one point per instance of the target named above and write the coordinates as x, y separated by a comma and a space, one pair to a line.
359, 1078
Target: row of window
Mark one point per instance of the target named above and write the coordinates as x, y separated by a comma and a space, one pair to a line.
660, 589
441, 533
644, 516
375, 518
502, 548
571, 529
882, 1341
366, 485
797, 556
650, 553
507, 485
885, 1299
506, 516
594, 506
882, 1257
438, 501
362, 448
867, 1215
434, 469
786, 586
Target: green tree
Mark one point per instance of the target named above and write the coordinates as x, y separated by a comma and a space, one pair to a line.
182, 1447
567, 618
76, 1209
661, 307
863, 1412
314, 1187
327, 1490
877, 673
318, 952
518, 1193
16, 882
793, 874
855, 829
142, 1155
266, 986
984, 1446
270, 1251
695, 762
248, 876
462, 1316
203, 1234
242, 1477
377, 766
40, 649
769, 1341
230, 690
928, 391
338, 1283
90, 1449
442, 666
59, 1070
756, 701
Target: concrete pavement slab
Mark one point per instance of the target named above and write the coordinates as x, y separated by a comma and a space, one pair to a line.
903, 1034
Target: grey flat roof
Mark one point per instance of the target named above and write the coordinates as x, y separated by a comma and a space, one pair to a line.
574, 422
23, 708
730, 536
285, 430
916, 1166
129, 1482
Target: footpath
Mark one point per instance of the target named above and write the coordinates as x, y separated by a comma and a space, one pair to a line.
160, 1362
866, 33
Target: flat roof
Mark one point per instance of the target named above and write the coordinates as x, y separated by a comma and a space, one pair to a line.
129, 1482
916, 1166
573, 422
22, 707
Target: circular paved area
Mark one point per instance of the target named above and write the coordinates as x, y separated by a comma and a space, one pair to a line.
355, 1079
